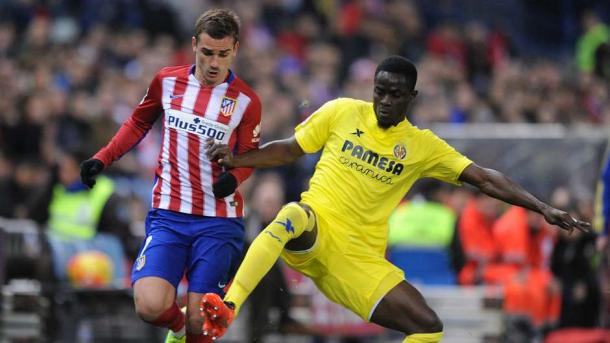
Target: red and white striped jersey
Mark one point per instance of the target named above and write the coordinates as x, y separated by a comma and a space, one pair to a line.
229, 112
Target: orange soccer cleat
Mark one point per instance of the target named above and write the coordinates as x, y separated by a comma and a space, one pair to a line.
217, 315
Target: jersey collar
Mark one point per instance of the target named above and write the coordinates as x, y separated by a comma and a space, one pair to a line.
400, 127
230, 76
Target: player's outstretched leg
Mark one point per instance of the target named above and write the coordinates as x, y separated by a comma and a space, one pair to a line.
290, 225
404, 309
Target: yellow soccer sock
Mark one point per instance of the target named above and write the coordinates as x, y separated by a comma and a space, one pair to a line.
290, 222
424, 337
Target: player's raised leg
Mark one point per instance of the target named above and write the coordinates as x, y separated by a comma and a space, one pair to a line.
404, 309
294, 224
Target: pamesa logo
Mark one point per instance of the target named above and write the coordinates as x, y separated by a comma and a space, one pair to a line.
383, 165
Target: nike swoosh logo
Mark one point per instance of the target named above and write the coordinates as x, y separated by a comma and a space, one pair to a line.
222, 285
172, 96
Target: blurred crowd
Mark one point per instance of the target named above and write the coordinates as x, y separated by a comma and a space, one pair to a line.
72, 71
550, 277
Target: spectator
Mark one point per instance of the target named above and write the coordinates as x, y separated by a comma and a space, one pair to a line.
573, 265
595, 34
28, 178
602, 61
532, 297
424, 221
78, 218
75, 212
420, 234
476, 235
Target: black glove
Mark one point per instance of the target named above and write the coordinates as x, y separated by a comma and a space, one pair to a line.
224, 185
89, 169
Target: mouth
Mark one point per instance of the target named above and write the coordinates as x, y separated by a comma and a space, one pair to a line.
384, 114
212, 74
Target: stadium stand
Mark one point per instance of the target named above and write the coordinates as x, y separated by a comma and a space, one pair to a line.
520, 94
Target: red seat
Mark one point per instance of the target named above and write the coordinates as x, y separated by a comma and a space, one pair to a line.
576, 335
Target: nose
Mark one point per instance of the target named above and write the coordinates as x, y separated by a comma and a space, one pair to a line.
385, 100
214, 61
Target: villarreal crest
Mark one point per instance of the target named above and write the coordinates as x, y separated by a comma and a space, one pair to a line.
227, 106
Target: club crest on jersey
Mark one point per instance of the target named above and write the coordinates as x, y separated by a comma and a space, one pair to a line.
140, 262
227, 106
400, 151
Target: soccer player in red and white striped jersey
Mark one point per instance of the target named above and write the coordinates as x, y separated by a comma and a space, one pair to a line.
195, 222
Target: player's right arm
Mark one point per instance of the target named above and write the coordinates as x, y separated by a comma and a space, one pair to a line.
129, 134
309, 137
272, 154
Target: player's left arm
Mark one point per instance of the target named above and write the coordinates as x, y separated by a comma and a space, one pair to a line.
499, 186
248, 137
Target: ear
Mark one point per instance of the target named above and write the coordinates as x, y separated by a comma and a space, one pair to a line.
235, 47
194, 43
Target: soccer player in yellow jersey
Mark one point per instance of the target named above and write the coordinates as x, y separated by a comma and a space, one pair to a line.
337, 233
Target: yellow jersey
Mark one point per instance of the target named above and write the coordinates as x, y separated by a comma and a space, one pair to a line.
365, 170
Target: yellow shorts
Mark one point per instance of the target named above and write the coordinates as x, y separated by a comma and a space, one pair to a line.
355, 279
